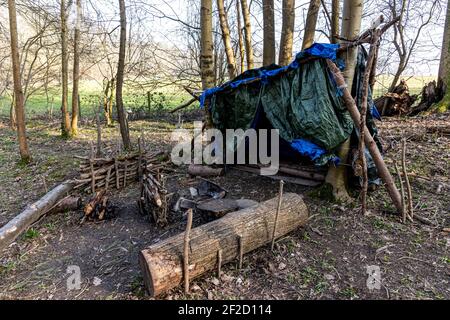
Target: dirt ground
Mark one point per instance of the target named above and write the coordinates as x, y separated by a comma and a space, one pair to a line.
327, 259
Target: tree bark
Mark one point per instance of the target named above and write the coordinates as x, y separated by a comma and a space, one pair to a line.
310, 24
123, 121
248, 34
269, 33
444, 66
206, 59
287, 32
368, 139
76, 71
351, 25
65, 125
231, 61
162, 263
18, 92
240, 37
335, 13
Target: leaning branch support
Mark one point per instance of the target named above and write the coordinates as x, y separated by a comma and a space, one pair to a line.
368, 139
162, 263
10, 231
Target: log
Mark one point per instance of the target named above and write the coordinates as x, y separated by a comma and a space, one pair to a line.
204, 171
67, 204
162, 263
368, 139
32, 213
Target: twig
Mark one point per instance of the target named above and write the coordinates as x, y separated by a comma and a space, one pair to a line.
91, 164
280, 197
186, 251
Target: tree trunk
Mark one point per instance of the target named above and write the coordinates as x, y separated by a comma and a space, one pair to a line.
310, 24
123, 121
18, 93
65, 124
231, 62
287, 32
351, 25
269, 33
76, 71
444, 66
240, 37
162, 263
335, 13
206, 59
248, 34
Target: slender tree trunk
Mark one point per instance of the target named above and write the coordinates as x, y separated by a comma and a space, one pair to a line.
65, 126
287, 32
335, 13
12, 113
231, 61
310, 24
444, 66
351, 24
18, 93
123, 121
240, 37
269, 33
248, 34
76, 71
206, 60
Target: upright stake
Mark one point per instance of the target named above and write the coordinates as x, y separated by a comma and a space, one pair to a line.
402, 190
241, 251
99, 133
280, 197
408, 185
219, 262
116, 168
186, 251
91, 164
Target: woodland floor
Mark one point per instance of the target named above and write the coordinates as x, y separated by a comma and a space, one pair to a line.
327, 259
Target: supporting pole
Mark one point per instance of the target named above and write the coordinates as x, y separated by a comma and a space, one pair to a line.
368, 139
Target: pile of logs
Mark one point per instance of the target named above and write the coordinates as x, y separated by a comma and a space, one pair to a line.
154, 197
99, 207
100, 173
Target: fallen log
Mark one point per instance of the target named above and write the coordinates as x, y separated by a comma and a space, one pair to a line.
204, 171
67, 204
162, 263
32, 213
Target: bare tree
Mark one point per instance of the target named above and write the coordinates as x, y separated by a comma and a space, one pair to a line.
335, 13
240, 37
248, 34
206, 60
76, 71
351, 25
444, 66
65, 124
310, 24
269, 32
231, 62
18, 93
287, 32
123, 121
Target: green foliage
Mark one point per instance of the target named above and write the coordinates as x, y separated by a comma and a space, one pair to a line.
31, 234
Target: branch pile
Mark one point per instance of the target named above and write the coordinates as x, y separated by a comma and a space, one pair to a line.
154, 197
100, 173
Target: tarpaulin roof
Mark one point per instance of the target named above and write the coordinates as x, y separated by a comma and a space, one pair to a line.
301, 100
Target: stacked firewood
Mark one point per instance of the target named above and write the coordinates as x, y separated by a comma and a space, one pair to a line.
101, 173
99, 207
154, 197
